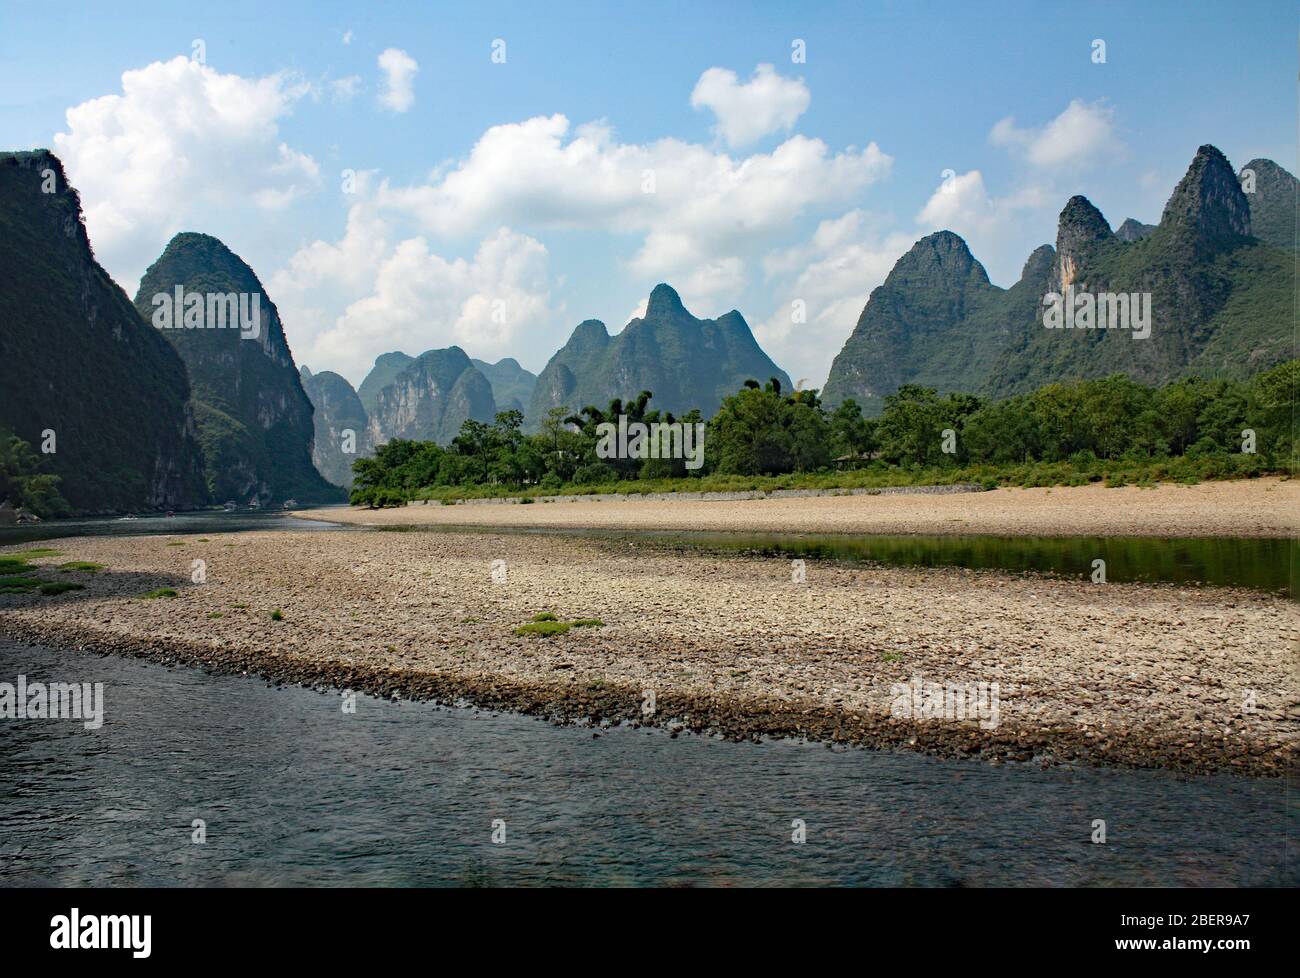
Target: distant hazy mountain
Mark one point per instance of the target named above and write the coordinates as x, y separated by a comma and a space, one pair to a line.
1132, 230
386, 368
77, 360
340, 422
426, 398
512, 385
1272, 203
685, 362
1221, 300
254, 419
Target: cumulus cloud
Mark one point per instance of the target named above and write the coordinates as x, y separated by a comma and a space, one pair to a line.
991, 225
365, 295
748, 111
692, 205
702, 217
1083, 133
821, 286
182, 140
399, 68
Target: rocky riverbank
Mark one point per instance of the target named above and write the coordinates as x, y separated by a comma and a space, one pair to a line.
1241, 508
1129, 675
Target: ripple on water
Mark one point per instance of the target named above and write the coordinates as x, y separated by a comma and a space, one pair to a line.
294, 791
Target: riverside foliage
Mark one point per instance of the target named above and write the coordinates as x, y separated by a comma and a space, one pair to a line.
1112, 429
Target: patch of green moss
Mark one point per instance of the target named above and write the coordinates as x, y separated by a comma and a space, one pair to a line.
544, 628
546, 624
82, 565
19, 585
160, 592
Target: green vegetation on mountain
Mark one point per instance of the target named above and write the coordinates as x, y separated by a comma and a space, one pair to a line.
512, 385
342, 427
688, 362
384, 372
77, 362
254, 419
1221, 300
1273, 202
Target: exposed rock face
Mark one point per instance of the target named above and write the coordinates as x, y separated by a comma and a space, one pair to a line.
430, 397
1208, 209
1273, 201
684, 361
1132, 230
77, 360
255, 420
512, 385
1218, 299
341, 423
384, 372
1079, 232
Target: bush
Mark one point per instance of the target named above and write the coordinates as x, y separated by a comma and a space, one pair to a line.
595, 474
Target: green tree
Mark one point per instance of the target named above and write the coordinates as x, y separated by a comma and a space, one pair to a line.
22, 483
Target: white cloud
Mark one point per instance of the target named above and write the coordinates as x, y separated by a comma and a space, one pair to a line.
709, 216
832, 275
345, 89
356, 299
746, 112
399, 70
321, 278
347, 37
1083, 133
639, 312
959, 203
180, 142
706, 207
992, 226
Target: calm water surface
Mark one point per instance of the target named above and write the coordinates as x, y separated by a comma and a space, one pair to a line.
294, 791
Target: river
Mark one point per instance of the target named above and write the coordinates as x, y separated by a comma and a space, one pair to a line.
293, 790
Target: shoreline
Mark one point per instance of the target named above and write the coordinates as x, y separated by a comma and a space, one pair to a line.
1265, 507
1137, 676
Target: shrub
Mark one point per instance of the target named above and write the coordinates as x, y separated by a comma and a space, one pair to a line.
594, 474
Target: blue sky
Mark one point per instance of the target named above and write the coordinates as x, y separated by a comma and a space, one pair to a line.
496, 205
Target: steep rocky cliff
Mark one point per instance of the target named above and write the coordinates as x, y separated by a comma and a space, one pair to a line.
1220, 299
255, 420
77, 360
429, 398
341, 424
684, 361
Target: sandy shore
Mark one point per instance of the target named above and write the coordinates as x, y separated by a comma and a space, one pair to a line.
1243, 508
1130, 675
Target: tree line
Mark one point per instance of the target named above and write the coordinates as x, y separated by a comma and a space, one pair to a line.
763, 430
